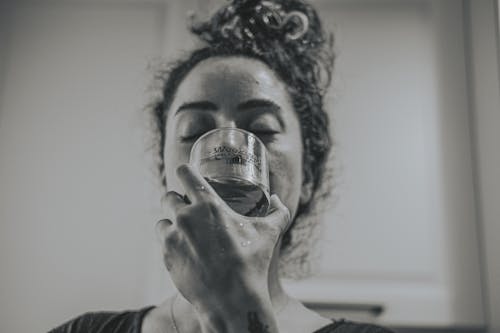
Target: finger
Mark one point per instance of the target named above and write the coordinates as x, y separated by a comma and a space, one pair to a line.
162, 227
172, 248
196, 222
167, 235
197, 188
175, 202
279, 215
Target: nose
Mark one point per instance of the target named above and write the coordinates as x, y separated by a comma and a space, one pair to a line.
225, 121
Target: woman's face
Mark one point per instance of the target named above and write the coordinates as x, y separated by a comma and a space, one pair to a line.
243, 93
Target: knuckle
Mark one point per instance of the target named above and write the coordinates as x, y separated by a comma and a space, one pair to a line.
184, 217
171, 240
205, 208
187, 221
274, 231
268, 229
167, 260
210, 207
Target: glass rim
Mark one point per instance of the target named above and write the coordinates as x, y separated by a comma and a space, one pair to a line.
237, 129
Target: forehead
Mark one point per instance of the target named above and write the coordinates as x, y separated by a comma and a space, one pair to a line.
231, 79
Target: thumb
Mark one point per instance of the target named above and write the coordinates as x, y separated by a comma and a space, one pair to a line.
279, 214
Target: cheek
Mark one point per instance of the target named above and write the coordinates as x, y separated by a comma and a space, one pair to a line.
175, 154
279, 165
286, 176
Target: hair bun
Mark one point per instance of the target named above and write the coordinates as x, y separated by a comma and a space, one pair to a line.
299, 23
259, 23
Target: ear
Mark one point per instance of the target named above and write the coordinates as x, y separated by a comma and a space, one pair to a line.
306, 191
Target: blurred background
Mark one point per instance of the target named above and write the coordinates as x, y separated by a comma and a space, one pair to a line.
411, 235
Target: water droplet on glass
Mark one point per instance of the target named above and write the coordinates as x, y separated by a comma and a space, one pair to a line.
246, 243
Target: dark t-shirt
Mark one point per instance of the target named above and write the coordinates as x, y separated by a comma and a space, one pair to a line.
131, 321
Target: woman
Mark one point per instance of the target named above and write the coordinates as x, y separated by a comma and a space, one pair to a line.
264, 68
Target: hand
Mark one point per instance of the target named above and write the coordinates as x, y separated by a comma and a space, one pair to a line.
218, 259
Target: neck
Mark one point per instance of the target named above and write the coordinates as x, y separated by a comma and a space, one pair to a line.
279, 297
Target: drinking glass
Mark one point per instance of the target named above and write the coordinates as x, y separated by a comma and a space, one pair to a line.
234, 162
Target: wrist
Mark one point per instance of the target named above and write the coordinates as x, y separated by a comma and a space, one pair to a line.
233, 292
251, 315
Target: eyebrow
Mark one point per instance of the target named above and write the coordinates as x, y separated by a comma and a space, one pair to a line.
258, 103
247, 105
201, 105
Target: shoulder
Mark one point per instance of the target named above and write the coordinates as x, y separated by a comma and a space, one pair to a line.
345, 326
105, 322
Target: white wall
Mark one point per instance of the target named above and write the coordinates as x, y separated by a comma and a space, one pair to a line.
77, 201
402, 233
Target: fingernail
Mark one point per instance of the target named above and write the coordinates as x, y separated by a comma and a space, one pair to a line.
160, 222
182, 169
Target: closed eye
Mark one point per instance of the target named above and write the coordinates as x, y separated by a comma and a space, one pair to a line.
266, 125
193, 124
266, 135
191, 137
265, 132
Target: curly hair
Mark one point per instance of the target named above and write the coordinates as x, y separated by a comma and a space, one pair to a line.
288, 37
